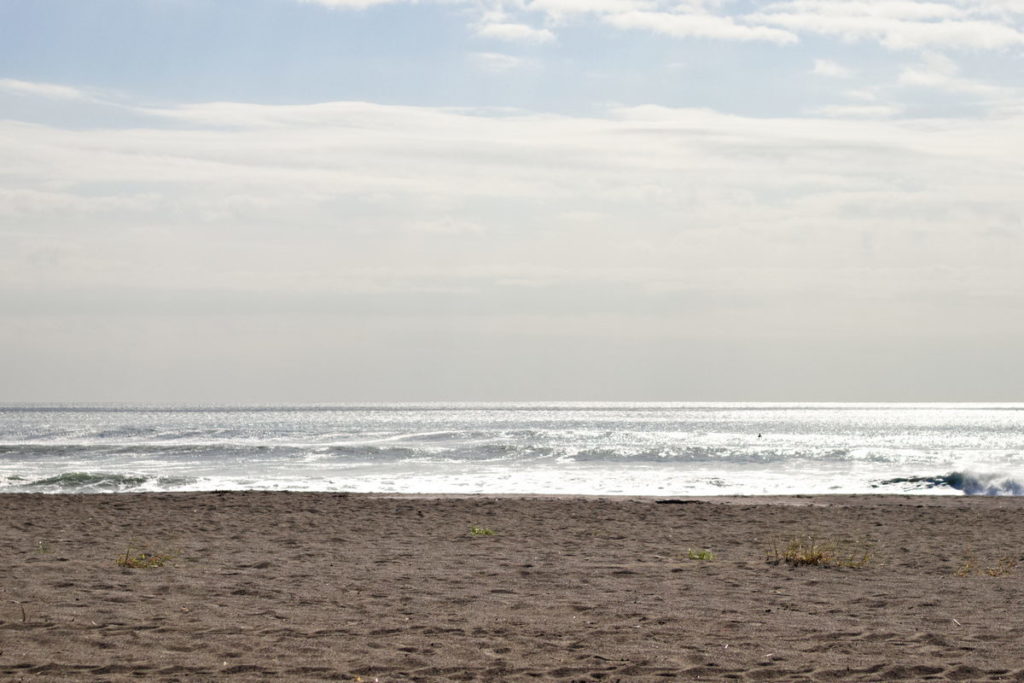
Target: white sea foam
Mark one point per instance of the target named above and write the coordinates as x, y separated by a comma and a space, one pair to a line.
986, 483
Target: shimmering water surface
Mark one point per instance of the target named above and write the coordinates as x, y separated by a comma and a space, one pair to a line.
580, 448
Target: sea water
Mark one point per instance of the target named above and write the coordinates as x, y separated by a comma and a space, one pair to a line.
662, 449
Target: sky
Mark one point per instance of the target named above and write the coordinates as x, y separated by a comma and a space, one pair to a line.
263, 201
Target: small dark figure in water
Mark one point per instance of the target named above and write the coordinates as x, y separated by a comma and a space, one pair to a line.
759, 435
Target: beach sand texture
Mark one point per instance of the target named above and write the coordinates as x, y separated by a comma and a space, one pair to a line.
372, 587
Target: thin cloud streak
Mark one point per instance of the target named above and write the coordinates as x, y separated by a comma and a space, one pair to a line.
46, 90
697, 26
515, 33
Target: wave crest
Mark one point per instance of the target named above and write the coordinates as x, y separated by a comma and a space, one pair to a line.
971, 483
85, 482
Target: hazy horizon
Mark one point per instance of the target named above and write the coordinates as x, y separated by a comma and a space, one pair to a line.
345, 201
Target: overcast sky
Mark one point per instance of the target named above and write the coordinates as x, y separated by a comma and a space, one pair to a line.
364, 200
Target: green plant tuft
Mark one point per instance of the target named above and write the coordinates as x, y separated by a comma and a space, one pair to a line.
1004, 566
807, 551
704, 554
142, 559
475, 530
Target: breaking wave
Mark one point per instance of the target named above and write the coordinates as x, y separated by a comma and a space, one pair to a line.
94, 482
970, 483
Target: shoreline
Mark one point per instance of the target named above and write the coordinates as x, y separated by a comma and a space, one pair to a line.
397, 587
725, 498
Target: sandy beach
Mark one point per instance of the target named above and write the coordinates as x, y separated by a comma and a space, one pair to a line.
372, 587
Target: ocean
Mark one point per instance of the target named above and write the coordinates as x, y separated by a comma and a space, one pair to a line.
661, 449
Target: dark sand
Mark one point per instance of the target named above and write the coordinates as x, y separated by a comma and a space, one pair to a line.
354, 587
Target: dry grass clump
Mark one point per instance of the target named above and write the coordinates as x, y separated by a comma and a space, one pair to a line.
971, 565
808, 551
142, 559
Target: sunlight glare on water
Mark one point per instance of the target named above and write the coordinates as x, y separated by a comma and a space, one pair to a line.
566, 448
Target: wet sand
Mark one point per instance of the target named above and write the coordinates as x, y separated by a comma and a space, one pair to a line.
372, 587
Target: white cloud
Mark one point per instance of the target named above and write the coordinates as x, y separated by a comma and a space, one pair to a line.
515, 33
1004, 10
497, 62
560, 9
877, 111
693, 25
830, 69
401, 225
897, 24
941, 73
353, 4
915, 10
861, 94
346, 175
446, 226
47, 90
28, 202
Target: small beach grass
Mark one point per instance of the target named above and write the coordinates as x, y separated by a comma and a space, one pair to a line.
807, 551
475, 530
971, 566
704, 554
142, 559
